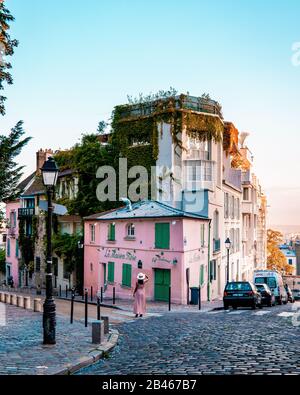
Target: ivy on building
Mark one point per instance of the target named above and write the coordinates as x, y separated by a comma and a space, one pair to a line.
2, 261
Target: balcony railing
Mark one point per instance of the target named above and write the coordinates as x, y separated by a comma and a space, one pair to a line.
216, 245
24, 213
196, 154
199, 104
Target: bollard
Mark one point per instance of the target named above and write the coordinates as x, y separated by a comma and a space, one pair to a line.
37, 305
20, 301
27, 302
199, 297
105, 320
72, 306
86, 308
114, 295
7, 298
66, 292
97, 332
170, 298
98, 308
15, 298
12, 299
101, 294
91, 293
60, 290
2, 297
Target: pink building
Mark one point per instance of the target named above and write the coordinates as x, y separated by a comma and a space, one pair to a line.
12, 245
167, 244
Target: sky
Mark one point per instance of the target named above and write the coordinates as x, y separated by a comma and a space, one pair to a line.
78, 59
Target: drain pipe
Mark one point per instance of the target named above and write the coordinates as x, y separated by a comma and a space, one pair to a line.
208, 268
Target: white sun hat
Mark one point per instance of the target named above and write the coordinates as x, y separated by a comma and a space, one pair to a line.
141, 276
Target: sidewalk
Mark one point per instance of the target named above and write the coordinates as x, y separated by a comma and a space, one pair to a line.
22, 351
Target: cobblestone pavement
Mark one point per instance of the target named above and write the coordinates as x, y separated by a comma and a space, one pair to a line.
21, 348
219, 342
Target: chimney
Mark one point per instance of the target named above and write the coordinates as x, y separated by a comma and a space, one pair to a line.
41, 157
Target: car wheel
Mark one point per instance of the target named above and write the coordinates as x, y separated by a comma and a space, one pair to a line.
285, 302
280, 301
254, 306
270, 303
260, 306
226, 306
234, 307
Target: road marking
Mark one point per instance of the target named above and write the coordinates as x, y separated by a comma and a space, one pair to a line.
262, 312
286, 314
237, 312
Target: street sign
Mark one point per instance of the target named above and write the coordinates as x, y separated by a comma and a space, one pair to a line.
58, 209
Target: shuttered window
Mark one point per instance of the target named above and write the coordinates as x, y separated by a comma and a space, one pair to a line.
126, 275
111, 232
8, 247
201, 275
162, 236
111, 272
17, 248
202, 235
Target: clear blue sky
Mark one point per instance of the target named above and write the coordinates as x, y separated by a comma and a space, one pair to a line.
77, 59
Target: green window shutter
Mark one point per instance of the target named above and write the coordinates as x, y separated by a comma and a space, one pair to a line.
111, 232
111, 272
201, 275
126, 275
17, 248
162, 235
8, 247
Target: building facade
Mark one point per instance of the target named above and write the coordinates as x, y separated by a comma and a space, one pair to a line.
168, 245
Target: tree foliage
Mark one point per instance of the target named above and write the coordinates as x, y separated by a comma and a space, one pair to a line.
7, 45
2, 260
276, 259
84, 159
10, 171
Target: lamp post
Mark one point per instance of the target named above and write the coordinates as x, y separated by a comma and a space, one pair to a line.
227, 245
49, 173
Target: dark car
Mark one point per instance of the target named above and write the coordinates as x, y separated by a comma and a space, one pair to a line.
296, 294
289, 294
241, 294
267, 296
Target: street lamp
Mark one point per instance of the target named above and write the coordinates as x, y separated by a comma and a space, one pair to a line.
49, 173
228, 245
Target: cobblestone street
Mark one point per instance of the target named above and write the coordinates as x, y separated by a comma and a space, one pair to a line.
21, 348
236, 342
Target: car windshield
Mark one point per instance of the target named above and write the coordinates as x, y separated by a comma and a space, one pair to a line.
238, 287
270, 281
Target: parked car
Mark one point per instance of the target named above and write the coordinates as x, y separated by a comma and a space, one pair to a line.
289, 294
241, 294
275, 282
296, 294
268, 298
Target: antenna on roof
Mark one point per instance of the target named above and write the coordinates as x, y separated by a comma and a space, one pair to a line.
127, 202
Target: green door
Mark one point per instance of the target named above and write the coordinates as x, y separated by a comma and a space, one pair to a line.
162, 282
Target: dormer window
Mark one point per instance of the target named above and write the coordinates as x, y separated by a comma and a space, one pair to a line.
131, 230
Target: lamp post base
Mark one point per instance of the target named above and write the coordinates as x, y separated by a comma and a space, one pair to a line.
49, 321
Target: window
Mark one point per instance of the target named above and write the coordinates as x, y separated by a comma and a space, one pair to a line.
162, 236
17, 248
66, 273
8, 247
226, 203
126, 275
13, 219
290, 261
237, 208
213, 270
246, 194
232, 207
111, 272
37, 264
202, 236
130, 230
111, 232
92, 233
216, 225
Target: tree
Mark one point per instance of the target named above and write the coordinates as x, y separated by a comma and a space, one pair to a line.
276, 259
2, 260
10, 171
7, 46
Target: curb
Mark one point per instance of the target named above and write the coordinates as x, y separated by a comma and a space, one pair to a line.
93, 356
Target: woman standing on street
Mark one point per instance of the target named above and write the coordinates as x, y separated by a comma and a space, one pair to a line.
139, 294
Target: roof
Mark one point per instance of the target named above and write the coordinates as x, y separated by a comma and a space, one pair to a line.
289, 253
23, 184
66, 172
36, 188
144, 209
